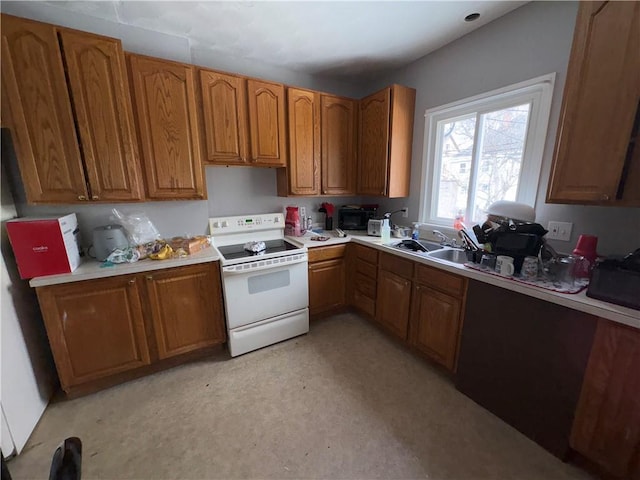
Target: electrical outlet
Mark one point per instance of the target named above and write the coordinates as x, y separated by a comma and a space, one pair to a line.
405, 212
559, 231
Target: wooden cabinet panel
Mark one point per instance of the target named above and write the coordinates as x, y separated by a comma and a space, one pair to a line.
365, 285
435, 325
385, 142
224, 102
364, 303
165, 98
393, 303
95, 328
185, 308
100, 90
38, 105
373, 156
338, 131
601, 98
304, 142
607, 423
326, 286
397, 265
440, 280
318, 254
267, 123
367, 254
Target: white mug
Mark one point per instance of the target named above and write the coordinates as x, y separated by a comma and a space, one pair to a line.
504, 265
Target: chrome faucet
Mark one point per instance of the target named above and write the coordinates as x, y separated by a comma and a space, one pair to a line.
444, 240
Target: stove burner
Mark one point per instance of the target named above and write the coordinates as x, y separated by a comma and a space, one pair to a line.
231, 252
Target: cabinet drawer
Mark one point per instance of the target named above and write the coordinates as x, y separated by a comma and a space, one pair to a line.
443, 281
365, 285
367, 254
364, 303
317, 254
399, 266
367, 269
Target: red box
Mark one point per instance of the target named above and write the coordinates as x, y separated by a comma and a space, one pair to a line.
44, 246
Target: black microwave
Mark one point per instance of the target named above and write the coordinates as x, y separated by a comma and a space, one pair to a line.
355, 218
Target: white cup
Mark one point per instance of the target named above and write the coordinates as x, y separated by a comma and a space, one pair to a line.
504, 265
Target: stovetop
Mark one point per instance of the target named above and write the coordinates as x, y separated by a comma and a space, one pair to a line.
233, 252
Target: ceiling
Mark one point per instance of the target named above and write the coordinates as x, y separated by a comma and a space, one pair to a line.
334, 38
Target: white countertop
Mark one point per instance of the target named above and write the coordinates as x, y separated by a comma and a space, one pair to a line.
578, 301
91, 269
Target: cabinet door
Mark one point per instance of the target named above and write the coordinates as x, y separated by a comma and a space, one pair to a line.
393, 303
224, 101
304, 142
267, 123
607, 423
435, 325
338, 128
601, 96
36, 100
373, 156
95, 328
186, 308
326, 286
100, 91
165, 99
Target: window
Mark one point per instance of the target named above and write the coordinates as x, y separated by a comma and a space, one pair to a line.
483, 149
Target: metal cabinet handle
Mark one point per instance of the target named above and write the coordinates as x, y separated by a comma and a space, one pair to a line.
95, 197
82, 197
149, 277
605, 196
132, 281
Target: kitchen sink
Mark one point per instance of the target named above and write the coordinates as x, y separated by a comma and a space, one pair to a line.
416, 246
452, 255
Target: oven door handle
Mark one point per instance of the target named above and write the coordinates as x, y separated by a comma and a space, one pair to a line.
271, 266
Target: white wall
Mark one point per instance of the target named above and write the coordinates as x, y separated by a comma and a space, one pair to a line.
530, 41
231, 191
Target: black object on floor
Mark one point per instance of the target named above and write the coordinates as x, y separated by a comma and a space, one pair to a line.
67, 460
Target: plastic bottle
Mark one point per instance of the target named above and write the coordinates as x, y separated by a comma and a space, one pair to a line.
385, 231
415, 234
458, 224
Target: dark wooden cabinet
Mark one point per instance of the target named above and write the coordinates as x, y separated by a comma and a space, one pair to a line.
597, 158
393, 300
166, 110
38, 101
95, 328
607, 423
100, 329
385, 142
185, 314
327, 276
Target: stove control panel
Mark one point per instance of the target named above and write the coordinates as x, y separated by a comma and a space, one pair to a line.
246, 223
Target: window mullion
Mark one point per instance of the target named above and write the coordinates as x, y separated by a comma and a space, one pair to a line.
477, 148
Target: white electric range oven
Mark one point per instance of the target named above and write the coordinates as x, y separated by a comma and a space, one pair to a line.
266, 294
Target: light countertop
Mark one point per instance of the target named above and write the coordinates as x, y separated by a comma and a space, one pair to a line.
578, 301
91, 269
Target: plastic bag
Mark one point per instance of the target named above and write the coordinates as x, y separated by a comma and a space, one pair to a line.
140, 229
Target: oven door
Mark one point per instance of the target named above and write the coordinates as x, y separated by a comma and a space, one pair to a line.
266, 288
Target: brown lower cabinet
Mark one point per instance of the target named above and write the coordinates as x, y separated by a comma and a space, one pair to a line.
394, 294
102, 328
327, 279
606, 429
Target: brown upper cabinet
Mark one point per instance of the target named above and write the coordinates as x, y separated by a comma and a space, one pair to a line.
385, 141
166, 110
40, 113
597, 158
244, 120
322, 145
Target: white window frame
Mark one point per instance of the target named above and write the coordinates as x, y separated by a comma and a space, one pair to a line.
537, 91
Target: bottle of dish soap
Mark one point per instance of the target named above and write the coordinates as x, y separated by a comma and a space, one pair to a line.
385, 231
415, 234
